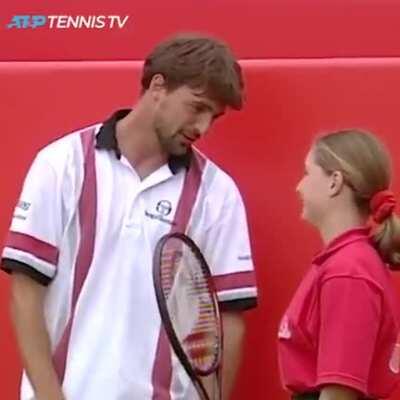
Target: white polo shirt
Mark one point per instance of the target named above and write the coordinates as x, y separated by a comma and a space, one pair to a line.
86, 225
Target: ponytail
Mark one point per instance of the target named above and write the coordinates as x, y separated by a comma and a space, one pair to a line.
385, 231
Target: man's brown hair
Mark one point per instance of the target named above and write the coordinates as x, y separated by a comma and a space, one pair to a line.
200, 62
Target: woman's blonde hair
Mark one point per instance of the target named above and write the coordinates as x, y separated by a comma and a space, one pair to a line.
366, 167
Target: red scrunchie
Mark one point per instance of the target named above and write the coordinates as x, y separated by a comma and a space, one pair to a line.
382, 205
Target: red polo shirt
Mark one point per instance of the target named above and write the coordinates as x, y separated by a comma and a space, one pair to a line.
342, 324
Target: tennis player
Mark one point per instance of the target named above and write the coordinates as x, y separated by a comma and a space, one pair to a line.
338, 339
92, 208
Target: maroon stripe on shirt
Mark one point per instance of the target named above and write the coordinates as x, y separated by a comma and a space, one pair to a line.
162, 368
235, 280
87, 216
29, 244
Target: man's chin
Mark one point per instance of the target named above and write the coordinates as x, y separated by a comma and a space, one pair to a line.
179, 152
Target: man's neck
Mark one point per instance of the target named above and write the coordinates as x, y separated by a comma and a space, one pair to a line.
139, 144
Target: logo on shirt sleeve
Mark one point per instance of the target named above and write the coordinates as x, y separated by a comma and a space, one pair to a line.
394, 363
23, 205
21, 209
284, 329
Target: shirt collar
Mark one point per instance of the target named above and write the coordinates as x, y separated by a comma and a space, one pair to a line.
344, 239
106, 139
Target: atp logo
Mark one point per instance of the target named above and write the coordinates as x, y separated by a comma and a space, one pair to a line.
67, 22
27, 21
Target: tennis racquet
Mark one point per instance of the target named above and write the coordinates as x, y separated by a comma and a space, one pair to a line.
188, 306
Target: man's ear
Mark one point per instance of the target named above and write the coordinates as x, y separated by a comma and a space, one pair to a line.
157, 85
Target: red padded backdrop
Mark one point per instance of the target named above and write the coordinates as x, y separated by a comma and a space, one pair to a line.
310, 66
262, 147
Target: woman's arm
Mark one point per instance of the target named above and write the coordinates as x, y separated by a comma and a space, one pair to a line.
337, 392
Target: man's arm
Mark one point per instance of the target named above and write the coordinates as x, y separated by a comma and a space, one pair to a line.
234, 330
337, 392
226, 247
27, 298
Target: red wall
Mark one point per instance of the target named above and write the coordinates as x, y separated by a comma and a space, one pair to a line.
290, 98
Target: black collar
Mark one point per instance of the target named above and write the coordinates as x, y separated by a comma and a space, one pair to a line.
106, 139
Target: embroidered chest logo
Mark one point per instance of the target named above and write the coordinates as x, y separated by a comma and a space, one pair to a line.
284, 329
162, 210
164, 207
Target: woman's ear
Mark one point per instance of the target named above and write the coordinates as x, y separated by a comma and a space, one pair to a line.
336, 184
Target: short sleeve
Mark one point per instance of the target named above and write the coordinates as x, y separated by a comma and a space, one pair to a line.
350, 311
227, 250
32, 243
